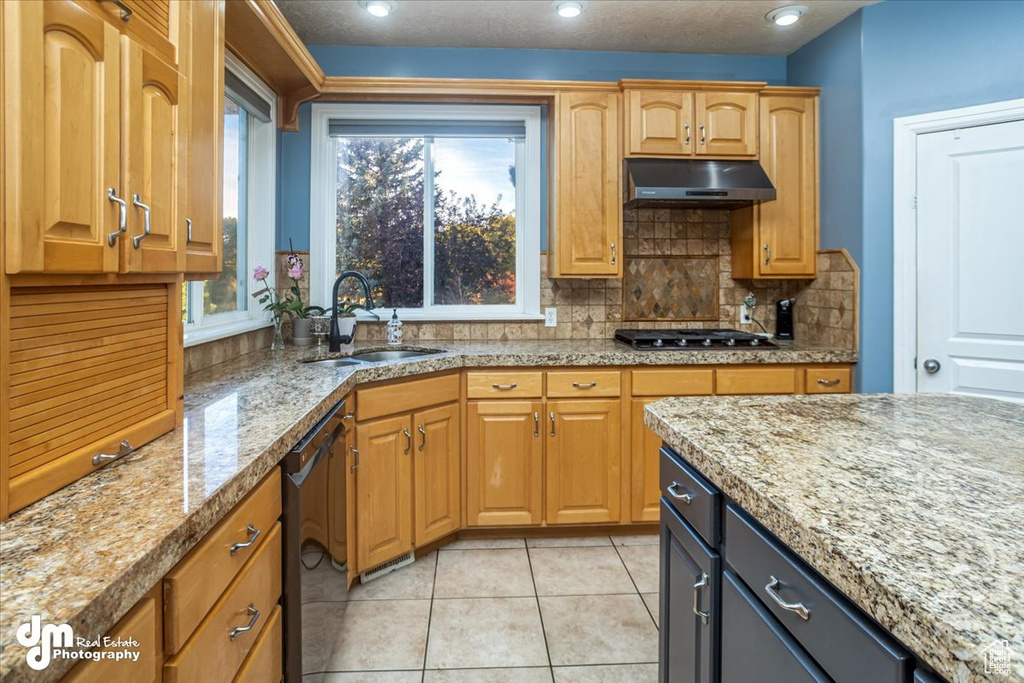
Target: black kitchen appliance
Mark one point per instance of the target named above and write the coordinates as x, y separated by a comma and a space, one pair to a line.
675, 340
784, 318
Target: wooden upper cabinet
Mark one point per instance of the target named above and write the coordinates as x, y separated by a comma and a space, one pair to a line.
62, 108
153, 127
203, 65
436, 472
659, 122
148, 22
583, 461
726, 124
588, 186
779, 239
384, 490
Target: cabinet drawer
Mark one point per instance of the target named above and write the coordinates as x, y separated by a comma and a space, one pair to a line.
142, 624
194, 584
692, 495
827, 381
743, 381
584, 383
847, 645
406, 396
210, 654
689, 382
755, 647
265, 661
504, 384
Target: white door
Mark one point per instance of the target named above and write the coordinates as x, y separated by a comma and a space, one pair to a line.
970, 261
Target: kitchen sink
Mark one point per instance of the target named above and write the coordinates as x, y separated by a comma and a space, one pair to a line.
335, 362
374, 356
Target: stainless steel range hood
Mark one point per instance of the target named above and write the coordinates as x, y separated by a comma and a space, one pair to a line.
693, 182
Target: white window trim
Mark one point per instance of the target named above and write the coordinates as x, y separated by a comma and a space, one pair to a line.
323, 211
261, 210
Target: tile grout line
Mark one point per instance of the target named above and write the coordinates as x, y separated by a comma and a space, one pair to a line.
430, 617
540, 612
641, 595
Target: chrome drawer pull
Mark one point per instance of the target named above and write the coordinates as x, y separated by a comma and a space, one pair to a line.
536, 424
251, 609
686, 127
797, 607
702, 134
254, 534
504, 387
408, 441
696, 598
124, 449
584, 385
673, 490
423, 436
767, 253
146, 222
828, 382
614, 257
122, 218
355, 464
188, 231
552, 416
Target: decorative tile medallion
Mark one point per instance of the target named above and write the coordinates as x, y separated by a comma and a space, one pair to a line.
671, 288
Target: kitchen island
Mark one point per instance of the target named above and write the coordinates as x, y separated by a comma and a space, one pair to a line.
912, 506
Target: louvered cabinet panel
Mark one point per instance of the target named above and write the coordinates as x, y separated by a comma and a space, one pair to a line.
89, 367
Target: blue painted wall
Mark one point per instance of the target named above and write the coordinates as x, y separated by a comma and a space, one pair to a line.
293, 148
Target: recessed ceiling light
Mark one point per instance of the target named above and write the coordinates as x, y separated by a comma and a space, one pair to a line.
786, 16
569, 9
377, 8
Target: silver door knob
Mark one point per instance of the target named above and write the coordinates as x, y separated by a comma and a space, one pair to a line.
931, 366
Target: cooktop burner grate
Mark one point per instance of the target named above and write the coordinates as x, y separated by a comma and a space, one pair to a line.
654, 340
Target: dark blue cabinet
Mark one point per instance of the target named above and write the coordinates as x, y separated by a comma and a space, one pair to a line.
689, 603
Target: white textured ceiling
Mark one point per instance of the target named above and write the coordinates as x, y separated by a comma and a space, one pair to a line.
689, 26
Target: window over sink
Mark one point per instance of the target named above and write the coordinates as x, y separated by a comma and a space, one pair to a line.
438, 205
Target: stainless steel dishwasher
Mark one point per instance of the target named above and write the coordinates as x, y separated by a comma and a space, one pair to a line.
308, 508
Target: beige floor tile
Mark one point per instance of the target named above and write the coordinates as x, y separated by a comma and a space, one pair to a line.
579, 571
652, 600
414, 582
321, 622
637, 539
621, 673
484, 574
373, 677
381, 635
485, 543
642, 563
323, 582
527, 675
568, 542
486, 632
611, 629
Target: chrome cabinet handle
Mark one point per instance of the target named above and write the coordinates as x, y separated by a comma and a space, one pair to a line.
355, 465
673, 490
122, 221
703, 581
828, 382
126, 11
613, 253
702, 136
686, 127
251, 609
767, 253
552, 416
423, 436
504, 387
146, 227
124, 449
408, 441
798, 607
254, 533
536, 423
188, 231
584, 385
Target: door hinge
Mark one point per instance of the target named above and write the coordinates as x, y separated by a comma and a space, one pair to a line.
915, 362
914, 203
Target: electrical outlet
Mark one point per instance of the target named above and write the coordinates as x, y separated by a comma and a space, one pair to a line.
745, 315
550, 317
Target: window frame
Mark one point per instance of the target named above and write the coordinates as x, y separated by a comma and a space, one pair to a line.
323, 206
260, 202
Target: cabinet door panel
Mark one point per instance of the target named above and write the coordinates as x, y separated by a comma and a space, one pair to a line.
588, 186
645, 458
789, 225
337, 493
384, 491
436, 473
660, 122
62, 104
582, 473
153, 136
726, 124
504, 476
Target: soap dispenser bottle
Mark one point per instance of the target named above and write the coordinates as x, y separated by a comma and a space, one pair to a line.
394, 329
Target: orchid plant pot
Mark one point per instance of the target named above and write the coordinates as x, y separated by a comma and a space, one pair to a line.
300, 332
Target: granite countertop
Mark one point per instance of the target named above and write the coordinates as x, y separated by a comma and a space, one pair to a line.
87, 553
912, 505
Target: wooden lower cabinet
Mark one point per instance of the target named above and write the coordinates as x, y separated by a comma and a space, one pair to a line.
265, 663
143, 623
383, 490
436, 473
337, 497
583, 461
645, 491
504, 463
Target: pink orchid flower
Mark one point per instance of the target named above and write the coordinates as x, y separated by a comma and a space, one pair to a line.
260, 273
295, 272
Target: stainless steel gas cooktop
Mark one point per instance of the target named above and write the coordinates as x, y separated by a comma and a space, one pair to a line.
654, 340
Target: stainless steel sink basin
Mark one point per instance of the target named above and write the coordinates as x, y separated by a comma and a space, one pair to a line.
374, 356
335, 362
